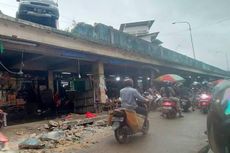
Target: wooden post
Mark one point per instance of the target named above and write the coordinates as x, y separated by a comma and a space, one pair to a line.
51, 80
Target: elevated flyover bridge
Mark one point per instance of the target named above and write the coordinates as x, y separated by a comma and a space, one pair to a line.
98, 50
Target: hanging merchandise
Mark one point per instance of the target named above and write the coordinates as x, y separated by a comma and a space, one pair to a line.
1, 47
78, 69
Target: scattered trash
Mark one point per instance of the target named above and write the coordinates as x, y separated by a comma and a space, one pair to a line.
100, 123
19, 132
53, 123
33, 135
90, 115
46, 126
31, 143
68, 117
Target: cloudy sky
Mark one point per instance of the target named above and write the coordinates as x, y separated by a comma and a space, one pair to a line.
210, 20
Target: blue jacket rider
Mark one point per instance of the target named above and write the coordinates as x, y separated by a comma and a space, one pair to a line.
129, 97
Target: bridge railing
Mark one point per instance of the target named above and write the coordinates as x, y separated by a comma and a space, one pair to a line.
106, 35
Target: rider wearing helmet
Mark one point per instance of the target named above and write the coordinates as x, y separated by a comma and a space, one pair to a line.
167, 91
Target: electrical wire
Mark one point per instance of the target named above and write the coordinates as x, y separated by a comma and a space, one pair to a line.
8, 69
197, 27
20, 71
215, 23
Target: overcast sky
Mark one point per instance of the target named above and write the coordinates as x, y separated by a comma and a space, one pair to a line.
210, 20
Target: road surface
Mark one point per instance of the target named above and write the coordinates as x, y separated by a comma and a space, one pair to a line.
181, 135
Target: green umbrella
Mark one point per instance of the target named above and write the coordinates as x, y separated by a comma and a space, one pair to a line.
221, 87
221, 97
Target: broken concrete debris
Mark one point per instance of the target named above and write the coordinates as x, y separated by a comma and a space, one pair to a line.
54, 135
31, 143
58, 133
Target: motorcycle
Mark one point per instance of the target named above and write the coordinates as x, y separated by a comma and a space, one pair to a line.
154, 100
185, 104
169, 108
150, 97
195, 95
127, 122
204, 102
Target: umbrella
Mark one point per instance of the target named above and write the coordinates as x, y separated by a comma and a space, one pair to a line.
221, 97
222, 86
170, 78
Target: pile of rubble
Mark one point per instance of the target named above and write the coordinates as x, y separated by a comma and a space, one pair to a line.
59, 134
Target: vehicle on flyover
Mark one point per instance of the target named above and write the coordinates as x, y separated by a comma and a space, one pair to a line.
44, 12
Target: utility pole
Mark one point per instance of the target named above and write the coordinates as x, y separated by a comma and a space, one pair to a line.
191, 38
227, 60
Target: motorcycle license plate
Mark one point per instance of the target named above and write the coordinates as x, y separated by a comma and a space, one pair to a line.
204, 103
168, 108
118, 119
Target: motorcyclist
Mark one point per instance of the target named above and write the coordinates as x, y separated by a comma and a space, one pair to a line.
205, 86
218, 120
167, 91
195, 91
129, 97
182, 92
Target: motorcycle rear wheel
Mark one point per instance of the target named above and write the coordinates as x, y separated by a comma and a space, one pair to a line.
204, 110
172, 114
121, 134
186, 109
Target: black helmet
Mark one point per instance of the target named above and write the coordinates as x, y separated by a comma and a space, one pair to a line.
128, 82
205, 82
218, 121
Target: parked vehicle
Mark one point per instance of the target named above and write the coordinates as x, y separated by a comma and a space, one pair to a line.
2, 119
204, 102
126, 123
185, 104
169, 108
154, 100
44, 12
3, 122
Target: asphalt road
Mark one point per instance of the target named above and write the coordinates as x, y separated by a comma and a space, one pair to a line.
181, 135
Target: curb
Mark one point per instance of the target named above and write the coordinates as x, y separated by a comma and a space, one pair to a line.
79, 122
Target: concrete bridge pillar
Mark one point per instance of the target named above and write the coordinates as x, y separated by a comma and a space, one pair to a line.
99, 82
152, 77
